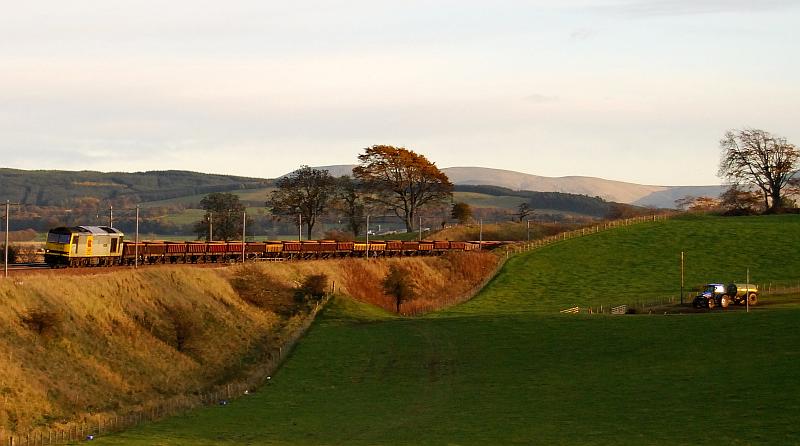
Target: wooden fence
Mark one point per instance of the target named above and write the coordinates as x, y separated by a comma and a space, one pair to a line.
72, 432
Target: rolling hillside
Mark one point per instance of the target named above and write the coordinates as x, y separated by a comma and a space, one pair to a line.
506, 368
609, 190
66, 188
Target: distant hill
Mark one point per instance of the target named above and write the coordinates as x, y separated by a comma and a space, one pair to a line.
64, 188
556, 201
609, 190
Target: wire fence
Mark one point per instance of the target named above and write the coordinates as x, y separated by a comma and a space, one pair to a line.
102, 424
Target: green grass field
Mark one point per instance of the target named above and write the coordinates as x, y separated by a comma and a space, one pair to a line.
505, 368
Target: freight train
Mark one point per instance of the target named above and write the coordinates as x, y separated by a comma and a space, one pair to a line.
105, 246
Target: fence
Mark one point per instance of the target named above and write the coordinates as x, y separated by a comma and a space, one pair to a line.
549, 240
97, 425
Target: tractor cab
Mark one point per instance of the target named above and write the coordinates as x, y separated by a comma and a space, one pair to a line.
709, 296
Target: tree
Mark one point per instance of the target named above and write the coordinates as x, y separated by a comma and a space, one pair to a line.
698, 204
401, 180
224, 213
462, 212
350, 203
737, 201
523, 211
398, 285
306, 192
759, 159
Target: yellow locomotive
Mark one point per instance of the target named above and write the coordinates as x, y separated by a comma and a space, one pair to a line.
83, 246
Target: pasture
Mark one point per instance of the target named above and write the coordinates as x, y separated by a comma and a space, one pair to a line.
506, 368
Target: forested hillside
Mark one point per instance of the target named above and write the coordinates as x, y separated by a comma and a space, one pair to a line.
65, 188
579, 204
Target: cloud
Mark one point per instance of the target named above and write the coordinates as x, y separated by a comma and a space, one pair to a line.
647, 8
539, 98
581, 34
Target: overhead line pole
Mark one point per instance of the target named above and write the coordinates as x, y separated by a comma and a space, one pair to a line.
5, 261
210, 226
681, 277
244, 233
136, 243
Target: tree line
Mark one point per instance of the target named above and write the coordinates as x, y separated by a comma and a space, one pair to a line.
388, 181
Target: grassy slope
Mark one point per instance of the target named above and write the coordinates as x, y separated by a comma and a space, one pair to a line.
643, 262
482, 374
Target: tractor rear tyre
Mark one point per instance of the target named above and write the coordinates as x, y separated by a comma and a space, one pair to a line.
752, 299
724, 302
711, 303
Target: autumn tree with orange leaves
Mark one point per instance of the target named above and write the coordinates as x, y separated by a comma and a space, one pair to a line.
402, 181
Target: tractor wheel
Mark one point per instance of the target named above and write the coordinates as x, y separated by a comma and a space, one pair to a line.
725, 302
752, 299
711, 303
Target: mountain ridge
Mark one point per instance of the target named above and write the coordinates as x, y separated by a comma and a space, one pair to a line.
609, 190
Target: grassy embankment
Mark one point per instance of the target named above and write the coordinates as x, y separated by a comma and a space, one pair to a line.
505, 368
80, 347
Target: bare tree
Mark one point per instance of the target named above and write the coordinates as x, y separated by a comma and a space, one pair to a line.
737, 201
350, 203
305, 192
757, 158
524, 210
224, 210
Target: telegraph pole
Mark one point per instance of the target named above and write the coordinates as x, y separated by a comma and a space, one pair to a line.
747, 296
681, 277
528, 229
5, 262
136, 244
111, 216
244, 233
210, 226
299, 227
420, 228
480, 240
367, 236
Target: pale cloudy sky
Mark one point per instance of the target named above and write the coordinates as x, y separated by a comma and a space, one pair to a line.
633, 90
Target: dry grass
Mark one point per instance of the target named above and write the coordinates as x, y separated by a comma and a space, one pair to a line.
120, 339
73, 346
504, 231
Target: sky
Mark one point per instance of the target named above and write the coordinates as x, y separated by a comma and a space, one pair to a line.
629, 90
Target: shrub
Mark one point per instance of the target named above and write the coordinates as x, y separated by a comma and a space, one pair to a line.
314, 287
183, 326
43, 322
261, 290
13, 250
335, 234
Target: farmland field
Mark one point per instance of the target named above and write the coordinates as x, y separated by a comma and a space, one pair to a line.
506, 368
